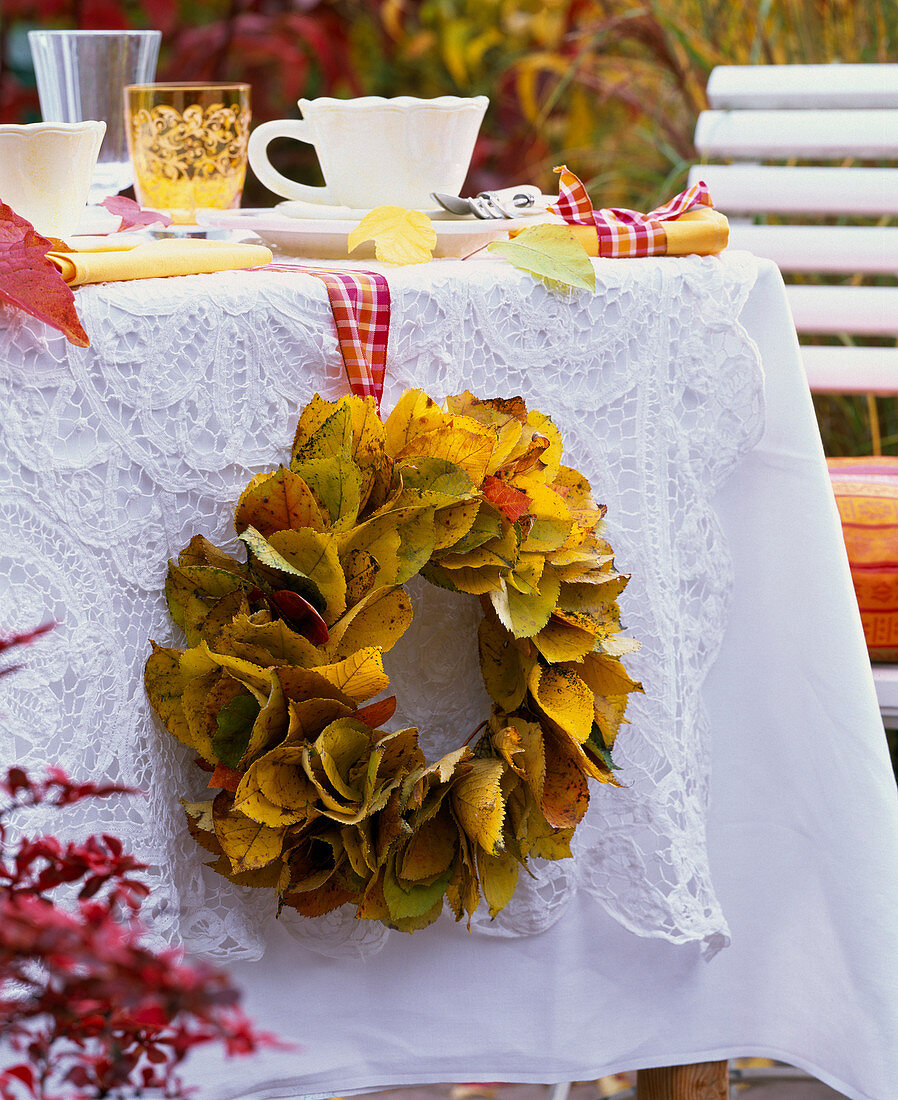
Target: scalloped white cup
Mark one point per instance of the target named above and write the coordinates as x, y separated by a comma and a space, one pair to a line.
45, 172
375, 151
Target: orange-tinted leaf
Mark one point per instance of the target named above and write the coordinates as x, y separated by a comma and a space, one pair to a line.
226, 778
512, 502
30, 281
375, 714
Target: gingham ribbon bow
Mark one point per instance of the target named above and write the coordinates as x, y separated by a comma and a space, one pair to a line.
624, 233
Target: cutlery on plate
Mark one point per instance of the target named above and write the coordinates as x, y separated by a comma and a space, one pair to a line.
509, 202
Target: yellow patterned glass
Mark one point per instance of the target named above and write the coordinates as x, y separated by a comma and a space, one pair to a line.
188, 146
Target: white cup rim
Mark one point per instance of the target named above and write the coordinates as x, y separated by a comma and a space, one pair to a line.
86, 126
443, 102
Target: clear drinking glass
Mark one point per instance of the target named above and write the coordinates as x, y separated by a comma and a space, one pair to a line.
81, 75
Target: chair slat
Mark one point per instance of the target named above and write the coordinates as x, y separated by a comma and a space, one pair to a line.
776, 189
851, 370
822, 248
798, 86
784, 135
863, 310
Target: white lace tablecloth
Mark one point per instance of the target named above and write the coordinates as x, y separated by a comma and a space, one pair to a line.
756, 751
113, 456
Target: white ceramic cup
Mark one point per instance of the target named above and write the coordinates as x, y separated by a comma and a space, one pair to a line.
375, 151
45, 172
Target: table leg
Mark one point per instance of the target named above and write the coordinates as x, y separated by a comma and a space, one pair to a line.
697, 1081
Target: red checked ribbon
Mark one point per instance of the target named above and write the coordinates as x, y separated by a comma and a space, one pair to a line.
360, 303
624, 233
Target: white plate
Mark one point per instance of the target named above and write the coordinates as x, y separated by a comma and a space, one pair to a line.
325, 239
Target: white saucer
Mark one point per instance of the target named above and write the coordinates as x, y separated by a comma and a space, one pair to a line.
314, 211
325, 239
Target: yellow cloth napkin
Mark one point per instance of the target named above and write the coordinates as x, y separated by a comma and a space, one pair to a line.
700, 231
156, 259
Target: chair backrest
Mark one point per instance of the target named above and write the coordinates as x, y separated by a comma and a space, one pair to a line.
830, 218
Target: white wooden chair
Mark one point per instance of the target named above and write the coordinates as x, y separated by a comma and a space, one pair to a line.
841, 114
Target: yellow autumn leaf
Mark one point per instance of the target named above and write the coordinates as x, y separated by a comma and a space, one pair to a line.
606, 675
552, 520
378, 619
478, 803
560, 640
498, 878
400, 236
308, 717
360, 676
524, 614
275, 791
315, 554
459, 440
564, 697
413, 414
273, 502
247, 844
502, 665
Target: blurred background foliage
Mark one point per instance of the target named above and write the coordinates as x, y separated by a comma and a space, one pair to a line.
610, 87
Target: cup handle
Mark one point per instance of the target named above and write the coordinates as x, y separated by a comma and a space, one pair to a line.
257, 153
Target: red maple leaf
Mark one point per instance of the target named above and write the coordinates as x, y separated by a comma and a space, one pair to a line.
29, 280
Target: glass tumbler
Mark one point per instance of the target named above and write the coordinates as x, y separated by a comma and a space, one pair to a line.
188, 146
81, 75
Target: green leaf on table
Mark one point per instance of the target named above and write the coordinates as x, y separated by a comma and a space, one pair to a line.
552, 254
30, 281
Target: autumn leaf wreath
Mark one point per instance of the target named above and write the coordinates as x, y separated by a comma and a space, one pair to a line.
317, 802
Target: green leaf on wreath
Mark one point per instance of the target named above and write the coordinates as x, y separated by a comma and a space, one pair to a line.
235, 726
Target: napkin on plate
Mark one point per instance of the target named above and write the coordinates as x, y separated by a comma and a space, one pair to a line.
155, 259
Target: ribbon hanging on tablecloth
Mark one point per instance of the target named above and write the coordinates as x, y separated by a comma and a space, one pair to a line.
625, 233
360, 303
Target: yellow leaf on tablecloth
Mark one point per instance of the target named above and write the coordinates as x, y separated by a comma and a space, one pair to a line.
478, 803
551, 253
606, 675
164, 686
400, 236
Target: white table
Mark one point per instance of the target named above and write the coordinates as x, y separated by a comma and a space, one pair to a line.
110, 458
